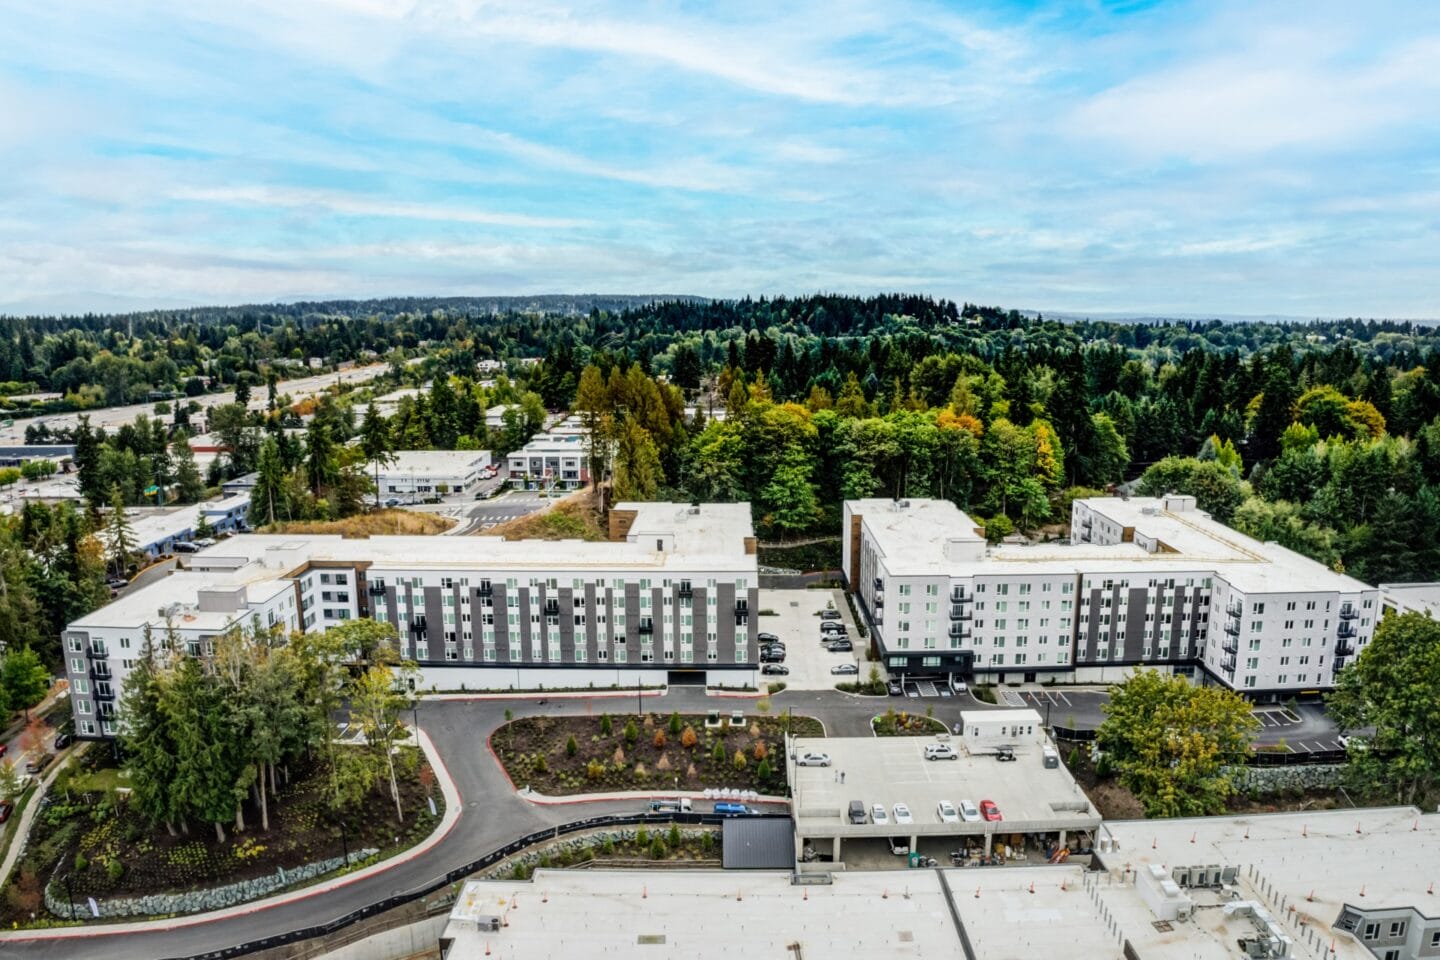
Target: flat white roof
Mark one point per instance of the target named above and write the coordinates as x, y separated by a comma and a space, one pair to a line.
1422, 597
449, 462
705, 915
149, 526
890, 770
552, 443
920, 540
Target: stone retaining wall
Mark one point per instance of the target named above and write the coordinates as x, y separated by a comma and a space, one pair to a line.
1261, 781
505, 869
198, 901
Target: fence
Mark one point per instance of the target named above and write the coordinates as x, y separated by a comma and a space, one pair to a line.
460, 873
1258, 758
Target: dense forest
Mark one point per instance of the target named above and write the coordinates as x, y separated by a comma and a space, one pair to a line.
1323, 436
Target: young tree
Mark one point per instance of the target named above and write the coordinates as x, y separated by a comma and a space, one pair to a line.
24, 678
189, 488
121, 540
11, 783
376, 698
320, 457
1391, 687
375, 444
150, 751
1171, 742
637, 463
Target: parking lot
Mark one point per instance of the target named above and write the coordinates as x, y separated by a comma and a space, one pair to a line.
796, 621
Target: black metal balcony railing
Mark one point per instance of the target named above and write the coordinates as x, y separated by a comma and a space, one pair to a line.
959, 613
106, 695
1228, 664
417, 625
485, 589
1230, 645
1344, 648
648, 626
1348, 611
958, 595
687, 592
959, 632
1233, 610
377, 588
98, 653
1337, 665
1346, 629
101, 672
1232, 628
879, 583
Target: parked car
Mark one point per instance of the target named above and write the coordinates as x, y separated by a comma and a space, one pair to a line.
969, 812
393, 502
62, 740
829, 614
678, 805
839, 646
1005, 755
39, 762
813, 760
768, 638
845, 669
946, 811
959, 687
940, 751
902, 814
900, 846
894, 688
4, 749
726, 809
770, 656
6, 808
833, 626
184, 546
989, 811
117, 583
203, 542
857, 811
774, 670
878, 814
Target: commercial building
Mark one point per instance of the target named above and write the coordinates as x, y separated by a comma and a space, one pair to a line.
1040, 806
1340, 885
672, 597
1150, 581
550, 460
495, 416
426, 473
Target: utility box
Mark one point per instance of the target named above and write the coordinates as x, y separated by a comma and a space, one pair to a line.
1051, 757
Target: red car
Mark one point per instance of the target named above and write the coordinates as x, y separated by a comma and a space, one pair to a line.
989, 811
4, 749
6, 808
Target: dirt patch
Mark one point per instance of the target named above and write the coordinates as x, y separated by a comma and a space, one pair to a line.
577, 517
379, 523
558, 756
107, 849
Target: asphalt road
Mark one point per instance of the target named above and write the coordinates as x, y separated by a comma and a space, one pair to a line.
492, 813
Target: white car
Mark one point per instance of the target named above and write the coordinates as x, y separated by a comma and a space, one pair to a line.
813, 760
948, 813
940, 751
969, 812
878, 814
902, 814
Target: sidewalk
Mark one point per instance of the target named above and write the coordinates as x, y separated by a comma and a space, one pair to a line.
641, 795
447, 823
536, 695
22, 829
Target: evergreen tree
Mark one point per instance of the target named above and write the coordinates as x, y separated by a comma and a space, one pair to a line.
121, 538
189, 488
375, 444
267, 500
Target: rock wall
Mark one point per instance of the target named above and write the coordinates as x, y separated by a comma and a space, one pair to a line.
197, 901
1261, 781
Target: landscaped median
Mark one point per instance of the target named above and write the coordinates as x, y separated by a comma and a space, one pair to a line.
903, 724
566, 756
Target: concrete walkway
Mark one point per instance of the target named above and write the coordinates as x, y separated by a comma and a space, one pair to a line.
447, 822
22, 829
641, 796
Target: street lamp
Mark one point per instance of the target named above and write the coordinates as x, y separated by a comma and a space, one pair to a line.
70, 895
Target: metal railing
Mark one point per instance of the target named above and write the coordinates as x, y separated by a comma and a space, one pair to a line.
460, 873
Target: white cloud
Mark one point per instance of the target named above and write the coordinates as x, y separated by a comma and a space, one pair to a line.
349, 205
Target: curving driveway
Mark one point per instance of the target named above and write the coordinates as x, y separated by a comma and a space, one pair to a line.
491, 816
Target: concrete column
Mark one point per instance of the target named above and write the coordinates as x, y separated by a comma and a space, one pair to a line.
799, 848
988, 838
914, 843
835, 849
1062, 838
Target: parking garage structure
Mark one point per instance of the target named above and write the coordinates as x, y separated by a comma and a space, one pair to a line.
1044, 813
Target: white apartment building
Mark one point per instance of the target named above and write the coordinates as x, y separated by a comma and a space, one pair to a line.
672, 597
425, 473
550, 460
1150, 581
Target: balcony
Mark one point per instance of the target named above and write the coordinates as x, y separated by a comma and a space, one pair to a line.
1344, 648
1348, 611
1234, 609
485, 589
1228, 665
417, 625
1230, 645
959, 632
98, 652
377, 588
879, 583
101, 671
1337, 665
687, 592
1346, 629
1232, 627
107, 695
877, 601
958, 595
648, 626
959, 613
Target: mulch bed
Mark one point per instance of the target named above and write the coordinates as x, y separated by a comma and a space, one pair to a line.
103, 829
536, 752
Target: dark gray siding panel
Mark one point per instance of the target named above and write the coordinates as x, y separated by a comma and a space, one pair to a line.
725, 621
592, 629
567, 624
1135, 623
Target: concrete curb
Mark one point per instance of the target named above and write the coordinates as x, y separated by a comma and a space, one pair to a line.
646, 796
453, 811
531, 696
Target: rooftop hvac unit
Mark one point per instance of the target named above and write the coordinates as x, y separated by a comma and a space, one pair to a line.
1181, 875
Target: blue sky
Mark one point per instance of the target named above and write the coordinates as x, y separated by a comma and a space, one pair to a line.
1179, 158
